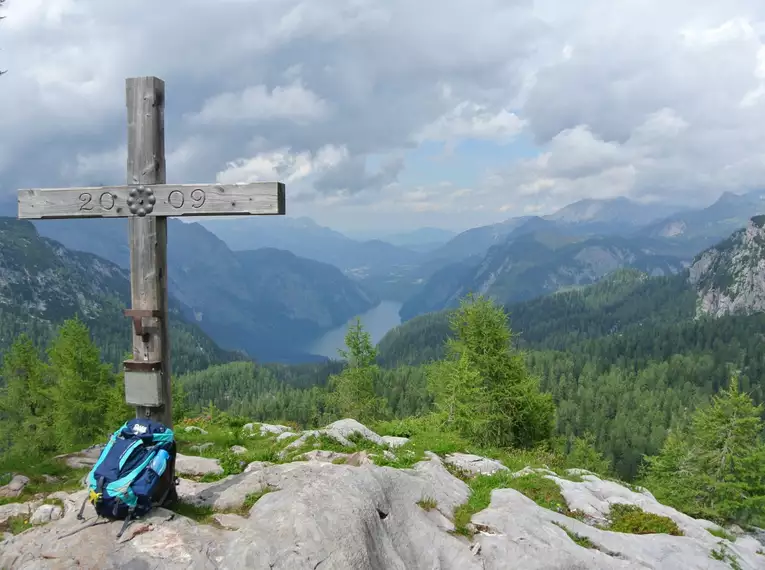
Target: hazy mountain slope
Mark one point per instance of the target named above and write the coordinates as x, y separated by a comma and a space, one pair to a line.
699, 229
475, 241
228, 298
42, 284
614, 213
421, 240
305, 238
726, 283
532, 264
268, 303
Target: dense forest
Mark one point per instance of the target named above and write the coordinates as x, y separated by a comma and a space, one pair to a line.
640, 391
624, 360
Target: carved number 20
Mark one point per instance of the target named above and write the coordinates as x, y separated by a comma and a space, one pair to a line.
106, 200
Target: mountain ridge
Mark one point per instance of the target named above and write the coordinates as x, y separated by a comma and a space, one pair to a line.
222, 295
730, 276
42, 283
533, 264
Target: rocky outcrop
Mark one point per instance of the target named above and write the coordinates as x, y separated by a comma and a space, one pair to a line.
474, 464
14, 488
315, 514
730, 277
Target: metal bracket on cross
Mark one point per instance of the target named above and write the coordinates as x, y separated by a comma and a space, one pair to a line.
138, 315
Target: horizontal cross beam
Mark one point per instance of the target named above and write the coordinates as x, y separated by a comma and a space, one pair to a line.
169, 200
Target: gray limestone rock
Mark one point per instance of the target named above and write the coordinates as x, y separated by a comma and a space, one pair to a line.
474, 464
198, 466
393, 441
533, 538
82, 459
46, 513
229, 521
15, 487
160, 540
342, 430
12, 510
285, 435
195, 429
321, 455
319, 515
238, 450
271, 429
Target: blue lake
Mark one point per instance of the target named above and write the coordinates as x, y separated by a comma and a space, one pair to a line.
376, 321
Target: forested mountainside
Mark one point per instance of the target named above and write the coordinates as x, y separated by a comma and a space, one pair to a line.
623, 359
538, 263
42, 284
268, 303
623, 377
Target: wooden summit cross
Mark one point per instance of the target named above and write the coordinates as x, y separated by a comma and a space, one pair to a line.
147, 201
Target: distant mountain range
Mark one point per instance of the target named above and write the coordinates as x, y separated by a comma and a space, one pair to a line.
724, 283
599, 235
305, 238
244, 290
531, 264
696, 230
266, 302
421, 239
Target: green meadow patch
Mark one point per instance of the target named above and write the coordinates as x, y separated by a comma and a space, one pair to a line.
634, 520
543, 491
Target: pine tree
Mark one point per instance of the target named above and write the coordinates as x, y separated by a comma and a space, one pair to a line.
118, 411
713, 469
730, 454
353, 390
508, 403
25, 402
458, 393
84, 387
180, 400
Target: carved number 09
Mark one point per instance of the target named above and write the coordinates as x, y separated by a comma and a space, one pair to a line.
176, 198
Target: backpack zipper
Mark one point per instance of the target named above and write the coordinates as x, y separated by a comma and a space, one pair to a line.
126, 454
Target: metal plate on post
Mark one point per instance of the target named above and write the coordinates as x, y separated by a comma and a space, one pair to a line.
143, 388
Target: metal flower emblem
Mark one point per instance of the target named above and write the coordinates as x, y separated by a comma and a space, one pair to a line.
141, 201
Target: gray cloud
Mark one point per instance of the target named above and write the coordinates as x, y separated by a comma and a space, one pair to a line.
648, 100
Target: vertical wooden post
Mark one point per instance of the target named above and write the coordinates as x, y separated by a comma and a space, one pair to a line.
148, 235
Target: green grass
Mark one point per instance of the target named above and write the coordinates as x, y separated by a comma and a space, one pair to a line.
721, 533
538, 488
427, 503
253, 498
67, 479
582, 541
201, 514
204, 514
16, 525
724, 555
56, 502
634, 520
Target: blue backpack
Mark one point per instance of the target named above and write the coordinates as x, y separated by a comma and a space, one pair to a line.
134, 473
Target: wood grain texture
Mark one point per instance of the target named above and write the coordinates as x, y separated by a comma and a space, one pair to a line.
257, 198
148, 235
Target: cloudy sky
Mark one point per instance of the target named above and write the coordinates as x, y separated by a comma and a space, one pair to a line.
394, 114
